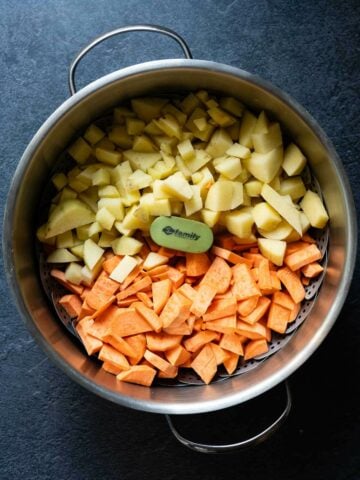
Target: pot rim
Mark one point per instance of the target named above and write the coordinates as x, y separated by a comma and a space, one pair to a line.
234, 397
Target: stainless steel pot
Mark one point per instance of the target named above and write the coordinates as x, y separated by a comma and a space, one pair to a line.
167, 76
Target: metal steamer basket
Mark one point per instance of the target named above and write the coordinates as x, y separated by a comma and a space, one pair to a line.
36, 297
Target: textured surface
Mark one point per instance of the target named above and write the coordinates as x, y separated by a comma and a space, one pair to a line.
52, 428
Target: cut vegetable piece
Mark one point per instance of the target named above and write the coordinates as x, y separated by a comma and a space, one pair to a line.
294, 160
205, 364
219, 143
140, 285
286, 209
259, 311
222, 325
240, 223
92, 254
161, 292
177, 355
61, 255
265, 217
177, 186
162, 342
71, 304
231, 362
139, 374
303, 257
124, 267
264, 166
92, 345
292, 284
126, 322
68, 215
255, 348
103, 289
160, 363
278, 318
126, 246
312, 270
273, 250
197, 264
244, 285
113, 356
80, 150
150, 316
232, 343
314, 209
221, 308
197, 341
245, 307
60, 277
176, 309
220, 196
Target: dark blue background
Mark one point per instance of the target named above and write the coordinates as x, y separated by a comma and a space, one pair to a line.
52, 428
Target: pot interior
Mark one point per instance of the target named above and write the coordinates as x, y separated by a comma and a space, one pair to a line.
170, 77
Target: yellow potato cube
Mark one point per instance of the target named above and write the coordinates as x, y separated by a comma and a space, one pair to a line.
293, 186
73, 273
106, 238
148, 108
94, 229
108, 191
155, 207
189, 103
134, 126
123, 268
80, 150
294, 160
253, 188
112, 205
209, 217
101, 177
65, 240
186, 150
264, 166
267, 141
200, 159
68, 215
61, 255
220, 196
285, 208
93, 134
232, 105
273, 250
246, 129
105, 218
177, 186
142, 143
229, 167
59, 180
195, 203
108, 157
169, 125
265, 216
222, 118
120, 137
240, 223
126, 246
138, 180
219, 143
153, 260
78, 250
175, 112
141, 160
237, 150
200, 123
314, 209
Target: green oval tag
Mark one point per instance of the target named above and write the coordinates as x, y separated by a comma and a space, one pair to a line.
181, 234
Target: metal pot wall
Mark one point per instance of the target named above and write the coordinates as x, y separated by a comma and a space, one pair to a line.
173, 76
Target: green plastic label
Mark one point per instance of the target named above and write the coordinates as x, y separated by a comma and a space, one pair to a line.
181, 234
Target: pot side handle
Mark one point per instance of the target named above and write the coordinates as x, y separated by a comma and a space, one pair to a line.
118, 31
249, 442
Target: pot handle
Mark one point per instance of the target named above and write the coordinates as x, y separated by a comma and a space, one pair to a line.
118, 31
223, 448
